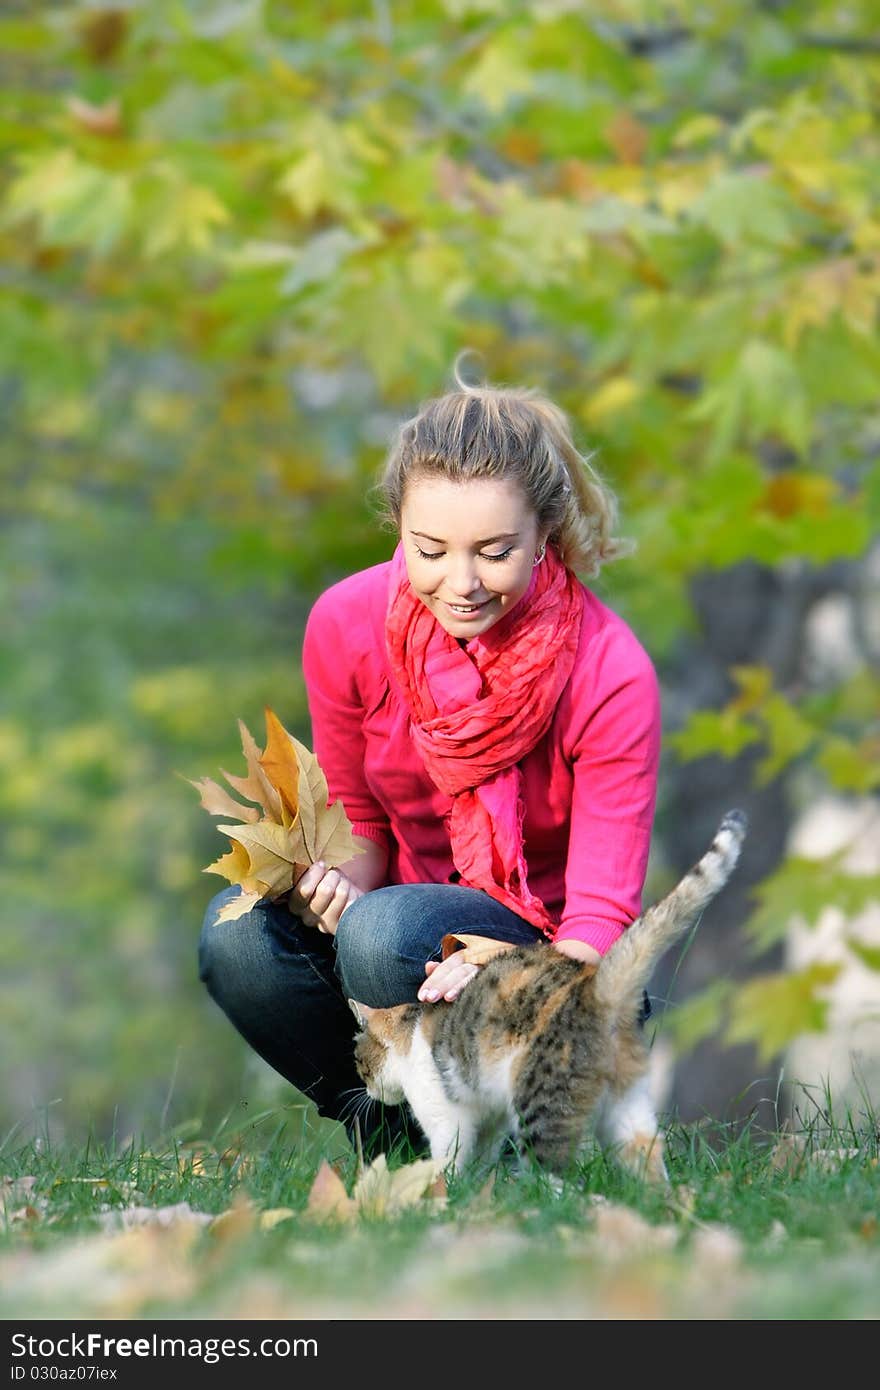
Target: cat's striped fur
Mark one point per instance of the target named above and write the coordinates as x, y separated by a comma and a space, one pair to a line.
539, 1045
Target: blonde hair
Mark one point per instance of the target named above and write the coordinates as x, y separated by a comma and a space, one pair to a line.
515, 433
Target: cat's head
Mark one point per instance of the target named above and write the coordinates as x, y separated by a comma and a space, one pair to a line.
377, 1049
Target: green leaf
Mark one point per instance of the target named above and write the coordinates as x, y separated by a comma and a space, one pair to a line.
802, 889
183, 217
850, 766
499, 73
73, 203
787, 733
538, 241
699, 1017
742, 208
772, 1010
725, 733
868, 955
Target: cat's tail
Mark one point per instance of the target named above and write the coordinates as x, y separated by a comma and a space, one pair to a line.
625, 971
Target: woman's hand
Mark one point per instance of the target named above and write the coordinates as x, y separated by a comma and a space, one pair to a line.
578, 950
321, 896
446, 979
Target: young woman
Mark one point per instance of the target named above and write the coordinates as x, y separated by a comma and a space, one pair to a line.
491, 728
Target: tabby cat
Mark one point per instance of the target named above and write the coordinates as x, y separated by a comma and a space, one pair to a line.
538, 1044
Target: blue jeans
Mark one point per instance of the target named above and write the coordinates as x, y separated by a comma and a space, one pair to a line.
284, 986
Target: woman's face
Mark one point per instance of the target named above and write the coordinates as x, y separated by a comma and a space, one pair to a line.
470, 549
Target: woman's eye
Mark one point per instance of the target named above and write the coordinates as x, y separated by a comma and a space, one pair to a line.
438, 554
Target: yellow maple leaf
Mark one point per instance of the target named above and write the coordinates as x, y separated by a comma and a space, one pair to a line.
237, 907
234, 866
280, 765
256, 785
270, 852
217, 801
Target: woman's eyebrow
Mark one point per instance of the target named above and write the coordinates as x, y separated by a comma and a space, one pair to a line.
490, 540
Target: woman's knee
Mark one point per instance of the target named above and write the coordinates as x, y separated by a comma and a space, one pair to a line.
220, 941
357, 935
379, 956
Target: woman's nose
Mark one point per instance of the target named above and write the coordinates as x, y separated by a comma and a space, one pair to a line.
463, 579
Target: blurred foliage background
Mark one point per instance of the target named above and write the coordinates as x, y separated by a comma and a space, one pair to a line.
242, 239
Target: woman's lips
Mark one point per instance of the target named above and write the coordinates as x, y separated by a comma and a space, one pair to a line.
471, 611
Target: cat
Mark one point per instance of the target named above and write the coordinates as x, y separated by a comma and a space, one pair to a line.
538, 1046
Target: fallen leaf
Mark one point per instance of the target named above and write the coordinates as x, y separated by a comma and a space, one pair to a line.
191, 1160
833, 1159
482, 1200
274, 1216
788, 1153
23, 1214
328, 1199
128, 1218
439, 1189
237, 1221
14, 1189
111, 1273
717, 1247
380, 1192
622, 1233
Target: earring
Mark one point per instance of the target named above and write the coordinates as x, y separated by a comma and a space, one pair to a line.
539, 557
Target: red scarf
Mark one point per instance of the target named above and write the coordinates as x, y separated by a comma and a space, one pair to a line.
475, 714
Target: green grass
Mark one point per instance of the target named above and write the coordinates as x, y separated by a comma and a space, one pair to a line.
753, 1226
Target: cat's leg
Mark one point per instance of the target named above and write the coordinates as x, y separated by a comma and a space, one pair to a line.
628, 1122
450, 1129
449, 1125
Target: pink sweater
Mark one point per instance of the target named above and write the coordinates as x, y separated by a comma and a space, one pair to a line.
589, 785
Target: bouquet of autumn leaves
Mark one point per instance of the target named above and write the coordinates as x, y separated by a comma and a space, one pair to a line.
289, 827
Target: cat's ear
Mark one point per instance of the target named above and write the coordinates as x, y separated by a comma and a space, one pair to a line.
361, 1012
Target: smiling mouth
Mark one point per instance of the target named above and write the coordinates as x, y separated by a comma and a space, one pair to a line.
465, 608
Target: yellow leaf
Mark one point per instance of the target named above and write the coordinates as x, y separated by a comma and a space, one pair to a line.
274, 1216
788, 1153
755, 685
499, 74
186, 219
270, 853
328, 1199
217, 801
379, 1192
234, 866
612, 397
316, 800
237, 907
333, 842
279, 762
256, 785
238, 1221
697, 131
270, 849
